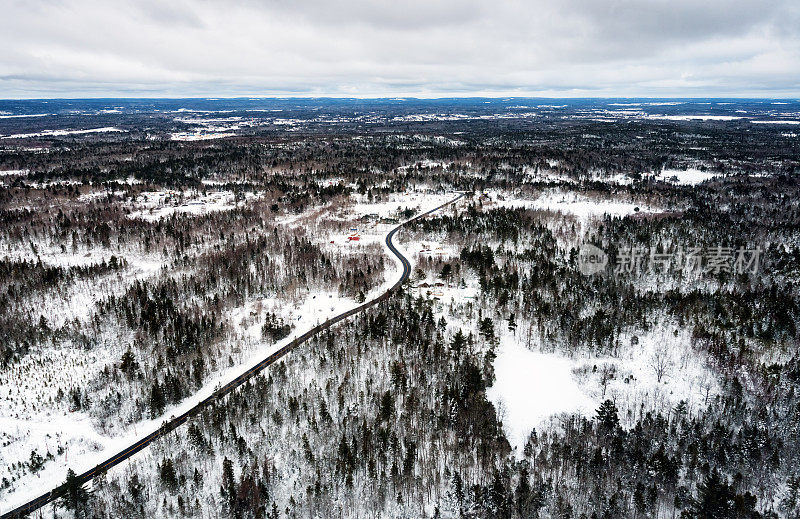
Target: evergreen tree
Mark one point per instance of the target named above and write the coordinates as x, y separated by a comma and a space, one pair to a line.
512, 323
76, 496
166, 472
128, 364
714, 498
458, 343
607, 417
386, 407
157, 400
486, 329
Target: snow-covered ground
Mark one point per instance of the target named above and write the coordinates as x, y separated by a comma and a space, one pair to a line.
61, 133
685, 177
392, 204
635, 386
6, 115
777, 121
533, 386
530, 387
155, 205
701, 117
28, 422
199, 135
96, 195
548, 175
427, 163
582, 207
617, 178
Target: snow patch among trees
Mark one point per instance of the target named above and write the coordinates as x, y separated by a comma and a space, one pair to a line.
531, 387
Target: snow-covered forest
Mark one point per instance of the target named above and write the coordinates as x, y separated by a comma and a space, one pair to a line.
139, 273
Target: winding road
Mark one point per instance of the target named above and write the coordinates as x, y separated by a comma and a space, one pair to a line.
175, 422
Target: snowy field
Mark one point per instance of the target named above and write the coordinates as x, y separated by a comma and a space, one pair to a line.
694, 117
583, 209
685, 177
199, 135
533, 386
13, 172
62, 133
155, 205
777, 121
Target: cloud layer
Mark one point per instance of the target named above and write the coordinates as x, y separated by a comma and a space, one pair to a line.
62, 48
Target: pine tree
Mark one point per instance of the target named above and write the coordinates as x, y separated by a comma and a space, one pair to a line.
386, 407
458, 343
135, 488
512, 323
714, 498
75, 494
228, 489
128, 364
157, 400
447, 271
166, 472
36, 462
607, 417
523, 493
486, 329
458, 489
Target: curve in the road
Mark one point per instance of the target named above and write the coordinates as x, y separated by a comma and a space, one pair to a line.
176, 422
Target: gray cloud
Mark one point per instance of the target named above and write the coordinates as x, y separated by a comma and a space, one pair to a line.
377, 47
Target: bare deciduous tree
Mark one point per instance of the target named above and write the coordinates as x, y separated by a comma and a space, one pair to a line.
660, 362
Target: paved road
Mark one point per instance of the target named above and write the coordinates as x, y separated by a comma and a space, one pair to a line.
174, 423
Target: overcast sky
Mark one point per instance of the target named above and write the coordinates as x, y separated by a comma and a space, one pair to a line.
155, 48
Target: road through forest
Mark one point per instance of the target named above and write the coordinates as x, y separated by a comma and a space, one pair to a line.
175, 422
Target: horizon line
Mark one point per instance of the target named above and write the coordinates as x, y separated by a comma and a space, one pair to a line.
397, 97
